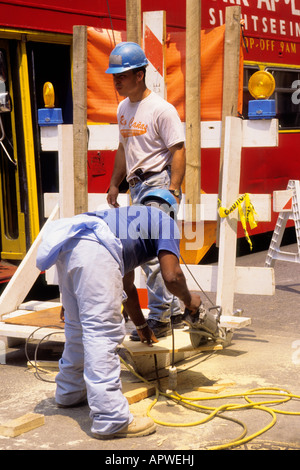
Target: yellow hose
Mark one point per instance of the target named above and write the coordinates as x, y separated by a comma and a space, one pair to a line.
213, 412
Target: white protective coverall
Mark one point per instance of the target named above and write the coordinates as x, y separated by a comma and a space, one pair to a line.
94, 324
92, 257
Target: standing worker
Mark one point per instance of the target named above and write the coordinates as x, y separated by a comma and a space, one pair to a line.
92, 252
150, 155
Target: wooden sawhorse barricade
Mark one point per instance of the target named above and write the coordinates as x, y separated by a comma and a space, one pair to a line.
226, 278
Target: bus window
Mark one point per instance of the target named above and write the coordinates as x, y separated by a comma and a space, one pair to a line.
9, 210
286, 97
3, 69
5, 102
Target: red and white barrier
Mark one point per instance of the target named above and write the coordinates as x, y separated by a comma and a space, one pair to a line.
154, 39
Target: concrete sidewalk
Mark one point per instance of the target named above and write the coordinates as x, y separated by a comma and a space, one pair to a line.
265, 354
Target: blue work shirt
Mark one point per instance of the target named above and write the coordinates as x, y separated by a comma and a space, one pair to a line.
133, 235
143, 232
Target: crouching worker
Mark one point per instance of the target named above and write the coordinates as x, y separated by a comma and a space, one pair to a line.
92, 253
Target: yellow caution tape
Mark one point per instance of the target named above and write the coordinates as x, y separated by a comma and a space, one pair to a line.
246, 217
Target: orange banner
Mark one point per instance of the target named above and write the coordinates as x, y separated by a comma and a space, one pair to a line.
102, 99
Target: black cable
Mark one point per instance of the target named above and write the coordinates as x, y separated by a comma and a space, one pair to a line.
110, 18
37, 369
196, 281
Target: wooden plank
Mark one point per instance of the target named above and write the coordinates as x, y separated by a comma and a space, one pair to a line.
228, 225
232, 322
255, 280
102, 137
35, 305
96, 201
24, 331
133, 21
250, 280
24, 277
263, 133
208, 209
45, 365
164, 346
65, 171
260, 133
24, 423
80, 135
192, 105
231, 73
182, 342
135, 392
49, 317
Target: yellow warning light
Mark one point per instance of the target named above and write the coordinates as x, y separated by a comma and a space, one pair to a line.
49, 95
261, 85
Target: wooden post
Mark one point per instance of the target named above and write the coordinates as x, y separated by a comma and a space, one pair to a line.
230, 76
228, 225
193, 117
80, 135
65, 170
134, 21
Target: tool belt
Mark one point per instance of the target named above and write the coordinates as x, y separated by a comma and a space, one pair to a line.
140, 176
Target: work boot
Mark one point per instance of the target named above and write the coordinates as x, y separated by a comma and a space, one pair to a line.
159, 328
176, 321
140, 426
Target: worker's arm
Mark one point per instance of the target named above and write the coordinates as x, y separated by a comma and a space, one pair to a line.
177, 166
119, 173
133, 309
175, 281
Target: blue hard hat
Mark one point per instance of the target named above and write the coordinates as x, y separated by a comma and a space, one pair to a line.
126, 56
163, 199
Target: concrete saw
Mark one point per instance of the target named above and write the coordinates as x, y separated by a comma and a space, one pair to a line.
204, 325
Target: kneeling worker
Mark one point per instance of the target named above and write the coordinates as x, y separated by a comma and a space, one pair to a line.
92, 253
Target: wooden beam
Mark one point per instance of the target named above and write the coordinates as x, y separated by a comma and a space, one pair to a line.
134, 21
193, 117
25, 276
209, 205
250, 280
80, 135
230, 76
24, 423
261, 133
228, 225
65, 171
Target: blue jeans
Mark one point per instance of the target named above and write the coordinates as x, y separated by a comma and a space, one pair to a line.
161, 303
94, 329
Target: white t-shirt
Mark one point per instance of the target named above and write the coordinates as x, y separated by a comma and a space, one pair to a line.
147, 129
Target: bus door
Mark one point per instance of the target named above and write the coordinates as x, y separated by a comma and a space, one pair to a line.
26, 172
12, 219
